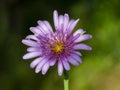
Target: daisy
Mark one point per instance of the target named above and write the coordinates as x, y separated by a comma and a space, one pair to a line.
60, 46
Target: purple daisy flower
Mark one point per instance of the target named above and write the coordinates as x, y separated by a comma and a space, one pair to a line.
60, 46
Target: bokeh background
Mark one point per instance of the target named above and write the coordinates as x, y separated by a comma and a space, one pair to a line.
101, 66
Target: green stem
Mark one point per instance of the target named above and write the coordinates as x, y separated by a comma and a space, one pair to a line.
66, 80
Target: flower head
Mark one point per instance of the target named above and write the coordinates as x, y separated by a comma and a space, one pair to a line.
60, 46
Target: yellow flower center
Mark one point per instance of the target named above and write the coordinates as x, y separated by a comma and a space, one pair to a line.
58, 47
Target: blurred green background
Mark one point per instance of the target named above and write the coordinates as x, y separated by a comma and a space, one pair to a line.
101, 66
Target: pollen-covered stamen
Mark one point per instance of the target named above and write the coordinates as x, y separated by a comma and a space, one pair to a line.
58, 47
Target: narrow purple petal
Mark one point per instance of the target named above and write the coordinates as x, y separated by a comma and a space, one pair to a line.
69, 23
35, 30
79, 31
60, 68
66, 20
72, 25
78, 53
41, 30
72, 61
60, 22
45, 68
33, 37
83, 38
31, 55
43, 26
82, 47
55, 18
35, 62
66, 64
49, 26
52, 62
76, 57
30, 43
33, 49
40, 65
75, 37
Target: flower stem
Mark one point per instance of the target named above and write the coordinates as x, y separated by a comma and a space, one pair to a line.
66, 80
